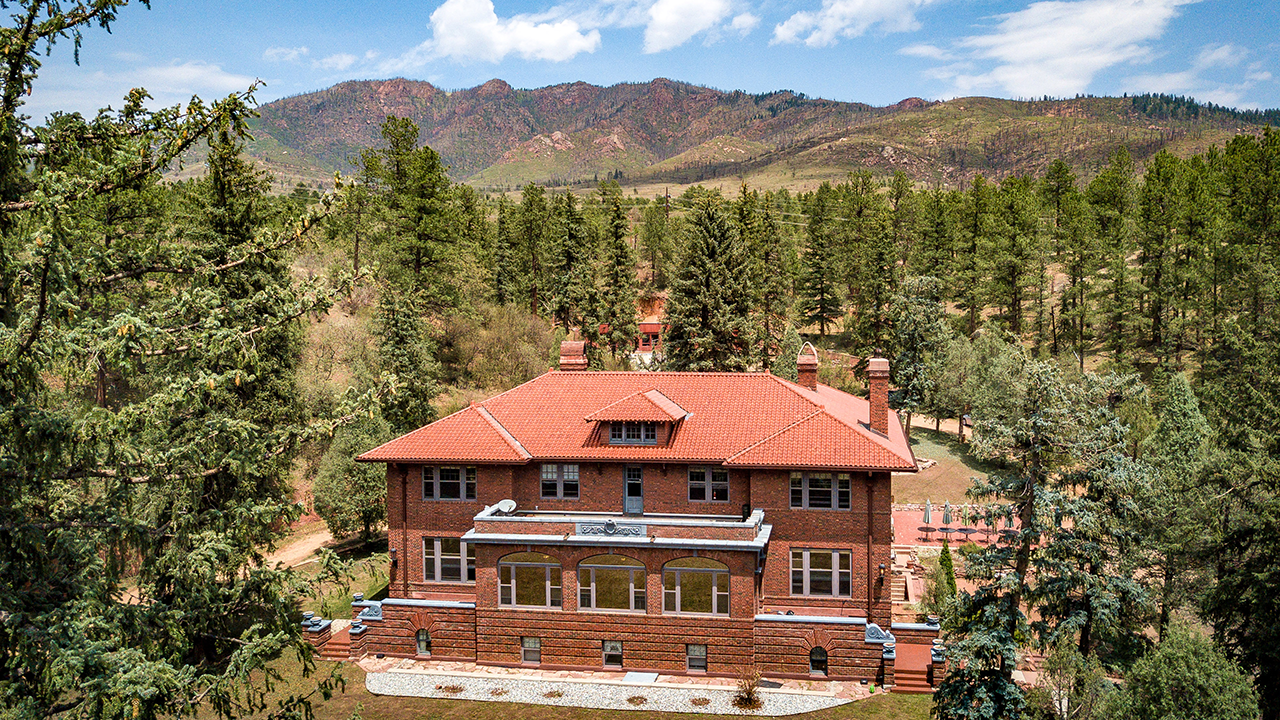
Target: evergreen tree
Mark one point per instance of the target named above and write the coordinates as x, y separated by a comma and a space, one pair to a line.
708, 314
531, 236
1014, 255
788, 352
1111, 196
506, 258
920, 331
771, 256
574, 271
1160, 213
948, 568
819, 300
404, 350
656, 239
618, 294
975, 227
135, 525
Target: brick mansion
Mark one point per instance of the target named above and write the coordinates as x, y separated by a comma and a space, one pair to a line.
679, 522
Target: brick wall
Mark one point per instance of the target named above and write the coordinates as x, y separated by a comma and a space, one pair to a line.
453, 632
782, 649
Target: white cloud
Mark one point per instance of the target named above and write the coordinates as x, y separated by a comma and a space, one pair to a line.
71, 89
744, 23
673, 22
337, 61
924, 50
284, 54
848, 18
1056, 47
471, 30
1209, 78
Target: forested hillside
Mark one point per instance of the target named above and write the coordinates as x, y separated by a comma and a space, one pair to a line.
181, 360
497, 137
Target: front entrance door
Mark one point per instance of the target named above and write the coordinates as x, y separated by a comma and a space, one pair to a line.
633, 502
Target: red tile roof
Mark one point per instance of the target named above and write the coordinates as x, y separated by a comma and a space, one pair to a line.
647, 406
738, 419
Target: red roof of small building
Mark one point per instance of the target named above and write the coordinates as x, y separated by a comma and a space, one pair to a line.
735, 419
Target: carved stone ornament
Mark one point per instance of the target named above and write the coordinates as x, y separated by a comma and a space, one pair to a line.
609, 528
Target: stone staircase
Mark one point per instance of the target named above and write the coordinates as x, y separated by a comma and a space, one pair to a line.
338, 647
911, 682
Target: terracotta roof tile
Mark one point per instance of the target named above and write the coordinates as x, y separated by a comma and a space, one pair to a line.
741, 419
647, 406
471, 434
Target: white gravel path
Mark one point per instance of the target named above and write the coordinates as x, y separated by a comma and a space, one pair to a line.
602, 695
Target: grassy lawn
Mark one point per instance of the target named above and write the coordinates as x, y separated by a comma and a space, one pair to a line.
376, 707
949, 479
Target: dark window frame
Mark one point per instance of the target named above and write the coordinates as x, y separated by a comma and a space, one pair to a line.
432, 487
564, 476
633, 433
433, 560
708, 484
839, 495
840, 570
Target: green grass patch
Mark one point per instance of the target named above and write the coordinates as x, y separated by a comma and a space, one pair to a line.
950, 479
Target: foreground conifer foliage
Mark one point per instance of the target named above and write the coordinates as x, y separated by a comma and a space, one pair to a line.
148, 405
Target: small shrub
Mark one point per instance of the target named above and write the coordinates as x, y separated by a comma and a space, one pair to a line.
553, 694
454, 689
496, 692
748, 696
637, 699
701, 701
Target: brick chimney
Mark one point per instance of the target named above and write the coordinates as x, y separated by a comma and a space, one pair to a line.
573, 355
807, 367
878, 385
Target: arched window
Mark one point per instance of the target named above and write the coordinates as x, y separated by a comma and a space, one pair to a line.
529, 579
424, 642
818, 661
611, 582
695, 585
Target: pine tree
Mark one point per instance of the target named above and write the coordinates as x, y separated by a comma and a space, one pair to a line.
618, 292
948, 567
574, 272
788, 352
920, 332
1111, 195
975, 227
404, 350
1014, 260
819, 300
532, 230
708, 314
1160, 213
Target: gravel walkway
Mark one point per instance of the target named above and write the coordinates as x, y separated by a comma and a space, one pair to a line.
602, 695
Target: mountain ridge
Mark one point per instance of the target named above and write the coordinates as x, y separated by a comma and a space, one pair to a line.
499, 137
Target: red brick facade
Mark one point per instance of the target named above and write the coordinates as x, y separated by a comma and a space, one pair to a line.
752, 532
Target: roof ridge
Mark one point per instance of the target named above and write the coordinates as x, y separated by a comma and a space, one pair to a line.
506, 434
405, 435
883, 441
795, 389
767, 438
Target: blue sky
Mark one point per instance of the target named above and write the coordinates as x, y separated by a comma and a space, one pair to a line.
874, 51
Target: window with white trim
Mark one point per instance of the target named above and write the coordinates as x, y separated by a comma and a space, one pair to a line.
633, 433
708, 484
821, 573
611, 582
531, 650
695, 658
448, 560
559, 481
529, 579
695, 585
819, 491
448, 483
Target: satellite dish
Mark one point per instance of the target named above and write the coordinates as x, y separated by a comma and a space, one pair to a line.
506, 506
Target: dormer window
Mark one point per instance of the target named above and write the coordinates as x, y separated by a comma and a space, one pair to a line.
633, 433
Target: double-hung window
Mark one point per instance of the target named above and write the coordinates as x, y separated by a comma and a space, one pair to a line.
448, 560
633, 433
448, 483
821, 491
531, 650
707, 484
821, 573
559, 481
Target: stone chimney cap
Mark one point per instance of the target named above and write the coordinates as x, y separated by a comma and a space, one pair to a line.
878, 365
573, 355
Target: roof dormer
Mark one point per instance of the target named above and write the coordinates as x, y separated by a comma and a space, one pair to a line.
641, 418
